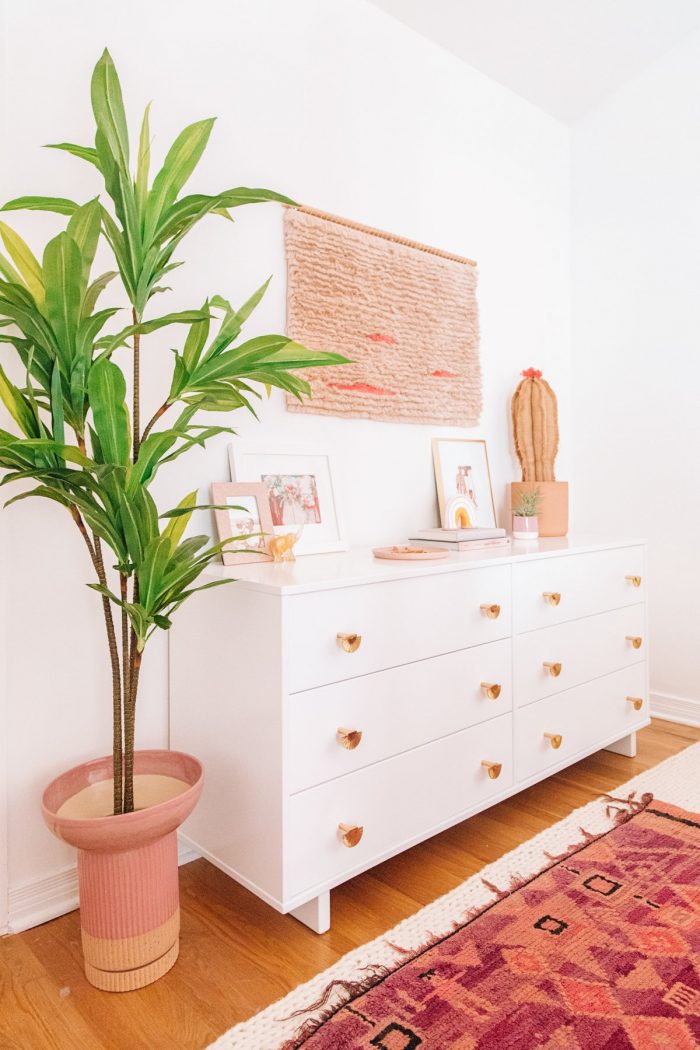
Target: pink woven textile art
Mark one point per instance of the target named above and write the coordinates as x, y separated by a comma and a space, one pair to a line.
405, 315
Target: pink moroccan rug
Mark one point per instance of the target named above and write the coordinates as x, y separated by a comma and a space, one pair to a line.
405, 315
598, 951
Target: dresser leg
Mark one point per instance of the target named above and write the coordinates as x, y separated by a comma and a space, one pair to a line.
316, 913
627, 746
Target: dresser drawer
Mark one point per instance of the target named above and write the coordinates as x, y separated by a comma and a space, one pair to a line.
398, 622
582, 717
394, 802
557, 658
394, 710
551, 590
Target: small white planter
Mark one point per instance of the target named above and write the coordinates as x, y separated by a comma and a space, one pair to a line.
525, 528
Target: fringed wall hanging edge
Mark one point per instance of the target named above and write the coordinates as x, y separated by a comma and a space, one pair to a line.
405, 314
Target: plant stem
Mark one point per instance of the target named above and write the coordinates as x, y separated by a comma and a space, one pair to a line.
151, 423
95, 552
130, 727
137, 389
126, 665
117, 746
133, 664
77, 518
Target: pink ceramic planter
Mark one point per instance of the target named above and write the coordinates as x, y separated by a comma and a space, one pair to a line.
525, 528
127, 868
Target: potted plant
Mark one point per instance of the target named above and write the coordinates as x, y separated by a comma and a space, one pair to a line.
536, 434
525, 514
81, 443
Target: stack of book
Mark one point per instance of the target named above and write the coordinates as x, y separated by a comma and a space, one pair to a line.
461, 540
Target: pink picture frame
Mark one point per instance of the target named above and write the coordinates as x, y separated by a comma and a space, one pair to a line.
249, 515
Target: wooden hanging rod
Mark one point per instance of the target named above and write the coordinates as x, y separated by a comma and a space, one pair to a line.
382, 233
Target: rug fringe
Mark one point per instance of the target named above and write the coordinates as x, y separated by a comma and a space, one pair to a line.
347, 989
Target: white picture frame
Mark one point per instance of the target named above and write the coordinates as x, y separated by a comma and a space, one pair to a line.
463, 482
302, 491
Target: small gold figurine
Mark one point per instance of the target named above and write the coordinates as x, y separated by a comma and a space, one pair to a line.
281, 547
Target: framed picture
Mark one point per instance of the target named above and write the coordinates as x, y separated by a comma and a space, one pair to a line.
301, 493
463, 483
248, 517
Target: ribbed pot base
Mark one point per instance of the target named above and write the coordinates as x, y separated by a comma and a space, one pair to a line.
129, 914
129, 980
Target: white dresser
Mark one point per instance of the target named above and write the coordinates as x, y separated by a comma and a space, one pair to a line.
346, 708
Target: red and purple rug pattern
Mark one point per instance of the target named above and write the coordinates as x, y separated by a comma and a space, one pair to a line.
601, 951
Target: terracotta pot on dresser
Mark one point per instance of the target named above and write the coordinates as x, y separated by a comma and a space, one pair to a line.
554, 513
127, 864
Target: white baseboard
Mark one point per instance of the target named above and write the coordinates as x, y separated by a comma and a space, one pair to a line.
47, 898
675, 709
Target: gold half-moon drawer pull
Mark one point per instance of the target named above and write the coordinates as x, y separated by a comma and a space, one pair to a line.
634, 640
636, 701
555, 740
349, 642
348, 738
492, 768
554, 669
492, 611
636, 581
552, 597
350, 834
491, 689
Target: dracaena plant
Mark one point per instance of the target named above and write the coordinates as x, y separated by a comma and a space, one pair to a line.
75, 436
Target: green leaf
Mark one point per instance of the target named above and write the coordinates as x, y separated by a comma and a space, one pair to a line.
61, 205
87, 153
121, 253
144, 162
19, 305
94, 291
18, 406
111, 343
107, 397
151, 454
9, 273
195, 206
35, 445
24, 260
64, 292
44, 491
57, 405
151, 571
108, 108
196, 340
139, 518
84, 227
181, 160
175, 528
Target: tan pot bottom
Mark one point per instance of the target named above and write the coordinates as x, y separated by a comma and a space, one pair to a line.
554, 515
130, 980
120, 964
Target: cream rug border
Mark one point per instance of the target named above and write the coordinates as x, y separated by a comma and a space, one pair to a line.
675, 780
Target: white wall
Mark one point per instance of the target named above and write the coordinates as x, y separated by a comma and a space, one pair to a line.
636, 231
341, 107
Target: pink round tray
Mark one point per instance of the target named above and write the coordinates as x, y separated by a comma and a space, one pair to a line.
409, 553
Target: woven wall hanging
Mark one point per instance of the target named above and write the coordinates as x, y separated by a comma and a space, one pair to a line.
405, 314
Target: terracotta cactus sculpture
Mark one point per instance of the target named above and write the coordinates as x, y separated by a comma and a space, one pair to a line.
535, 426
536, 433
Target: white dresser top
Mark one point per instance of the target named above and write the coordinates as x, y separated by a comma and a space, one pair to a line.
319, 572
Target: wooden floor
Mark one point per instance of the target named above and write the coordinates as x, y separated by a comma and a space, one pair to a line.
237, 954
